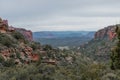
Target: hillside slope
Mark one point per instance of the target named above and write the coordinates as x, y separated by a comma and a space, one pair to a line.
16, 45
99, 48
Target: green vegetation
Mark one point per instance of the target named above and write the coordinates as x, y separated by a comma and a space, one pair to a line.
9, 63
47, 47
17, 35
99, 49
34, 45
1, 59
6, 40
115, 56
82, 68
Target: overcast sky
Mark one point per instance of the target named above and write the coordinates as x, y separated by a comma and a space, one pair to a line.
59, 15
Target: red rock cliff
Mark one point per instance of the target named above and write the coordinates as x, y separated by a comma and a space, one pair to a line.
106, 32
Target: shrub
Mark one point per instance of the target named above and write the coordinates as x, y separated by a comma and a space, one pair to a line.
47, 47
9, 63
18, 55
35, 45
6, 40
18, 35
1, 59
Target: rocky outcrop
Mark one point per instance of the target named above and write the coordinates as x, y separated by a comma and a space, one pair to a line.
27, 33
107, 32
3, 26
25, 54
11, 29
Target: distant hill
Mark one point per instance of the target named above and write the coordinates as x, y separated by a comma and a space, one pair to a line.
62, 34
63, 38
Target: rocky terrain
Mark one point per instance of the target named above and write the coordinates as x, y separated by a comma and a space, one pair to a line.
14, 44
17, 46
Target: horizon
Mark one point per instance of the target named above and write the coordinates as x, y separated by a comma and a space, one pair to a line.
52, 15
64, 31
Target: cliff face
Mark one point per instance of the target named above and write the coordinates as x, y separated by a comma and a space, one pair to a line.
99, 48
107, 32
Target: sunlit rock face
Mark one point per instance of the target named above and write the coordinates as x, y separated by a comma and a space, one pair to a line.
107, 32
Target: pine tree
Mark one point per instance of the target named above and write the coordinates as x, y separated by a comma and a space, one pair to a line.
115, 55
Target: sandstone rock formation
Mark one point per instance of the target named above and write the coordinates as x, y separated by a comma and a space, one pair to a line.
106, 32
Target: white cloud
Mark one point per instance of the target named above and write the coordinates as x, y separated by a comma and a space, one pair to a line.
38, 15
69, 23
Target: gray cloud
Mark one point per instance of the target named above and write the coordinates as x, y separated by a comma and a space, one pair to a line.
40, 15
